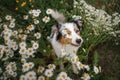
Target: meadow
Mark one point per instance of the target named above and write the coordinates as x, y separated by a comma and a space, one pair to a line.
26, 54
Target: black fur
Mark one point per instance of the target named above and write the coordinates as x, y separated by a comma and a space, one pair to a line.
78, 23
59, 36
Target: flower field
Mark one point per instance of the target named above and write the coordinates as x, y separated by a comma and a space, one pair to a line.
26, 54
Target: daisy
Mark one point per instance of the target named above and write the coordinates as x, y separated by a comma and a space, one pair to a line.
60, 78
30, 51
20, 30
12, 25
38, 10
8, 17
49, 11
31, 27
25, 67
12, 20
51, 66
22, 44
23, 60
86, 67
79, 65
2, 48
12, 64
41, 69
22, 51
46, 19
74, 59
37, 35
35, 45
85, 76
36, 21
7, 35
63, 75
23, 77
41, 78
1, 55
31, 65
35, 13
96, 70
48, 73
26, 31
15, 33
25, 17
31, 75
7, 41
22, 36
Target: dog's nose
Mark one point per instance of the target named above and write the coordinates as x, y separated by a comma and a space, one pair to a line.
78, 41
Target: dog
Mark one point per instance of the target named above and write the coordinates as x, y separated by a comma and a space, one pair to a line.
65, 37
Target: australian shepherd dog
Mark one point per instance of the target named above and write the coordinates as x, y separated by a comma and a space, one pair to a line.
65, 37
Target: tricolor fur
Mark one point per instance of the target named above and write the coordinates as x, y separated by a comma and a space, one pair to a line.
65, 36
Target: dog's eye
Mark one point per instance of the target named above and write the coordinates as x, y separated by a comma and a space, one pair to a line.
77, 31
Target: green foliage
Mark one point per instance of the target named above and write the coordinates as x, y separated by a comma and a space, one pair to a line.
93, 34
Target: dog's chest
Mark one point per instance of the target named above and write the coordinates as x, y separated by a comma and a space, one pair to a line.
63, 50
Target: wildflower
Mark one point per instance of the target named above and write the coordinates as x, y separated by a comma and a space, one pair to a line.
23, 4
12, 20
22, 36
2, 48
46, 19
20, 30
30, 51
62, 76
31, 75
8, 17
25, 67
48, 73
31, 27
51, 66
16, 8
15, 33
22, 44
25, 17
41, 78
40, 69
96, 70
1, 55
36, 21
22, 51
85, 76
23, 77
79, 65
35, 45
63, 52
74, 59
38, 10
31, 65
23, 60
86, 67
49, 11
36, 13
37, 35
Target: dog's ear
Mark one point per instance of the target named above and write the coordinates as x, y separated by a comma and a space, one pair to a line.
79, 23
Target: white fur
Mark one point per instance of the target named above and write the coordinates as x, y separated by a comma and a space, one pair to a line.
70, 50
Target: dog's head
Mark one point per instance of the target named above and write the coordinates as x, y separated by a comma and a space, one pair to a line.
69, 33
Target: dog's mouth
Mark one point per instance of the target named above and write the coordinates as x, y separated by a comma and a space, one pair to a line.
76, 45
